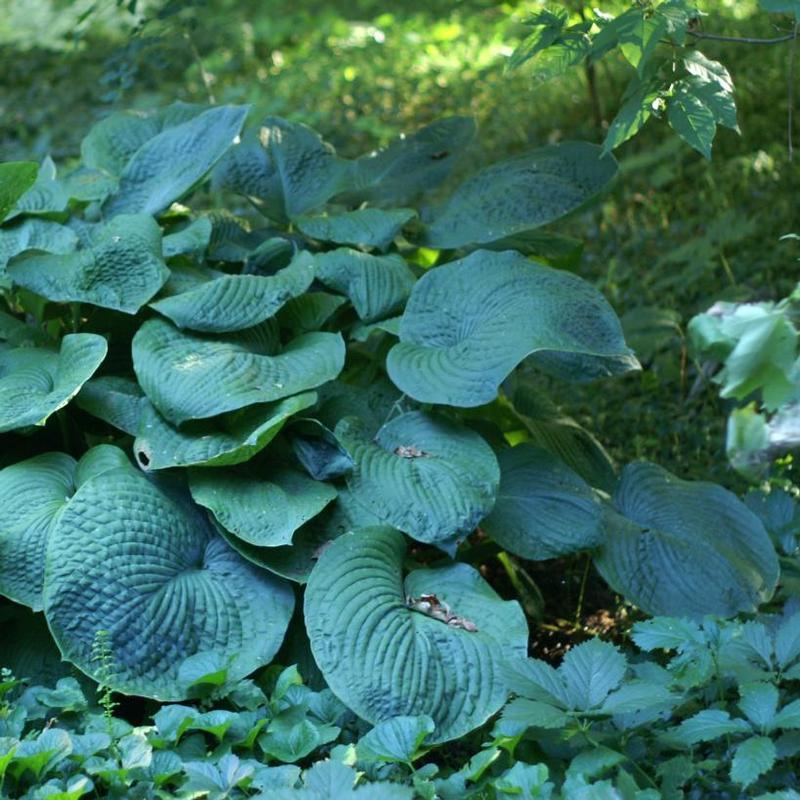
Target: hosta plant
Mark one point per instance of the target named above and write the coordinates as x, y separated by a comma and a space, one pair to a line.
243, 378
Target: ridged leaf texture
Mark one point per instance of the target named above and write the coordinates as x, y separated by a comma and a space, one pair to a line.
35, 382
543, 509
147, 567
368, 227
383, 659
422, 474
121, 270
188, 376
34, 234
516, 195
469, 323
685, 548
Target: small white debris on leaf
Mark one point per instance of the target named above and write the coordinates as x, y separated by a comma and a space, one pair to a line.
409, 451
432, 606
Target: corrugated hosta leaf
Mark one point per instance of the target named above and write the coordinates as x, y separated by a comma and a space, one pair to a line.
35, 234
229, 439
121, 270
194, 238
685, 548
521, 193
284, 168
543, 509
35, 382
423, 474
171, 163
16, 177
189, 376
410, 165
370, 227
309, 312
263, 511
470, 322
296, 560
32, 495
147, 567
235, 302
376, 285
46, 196
384, 659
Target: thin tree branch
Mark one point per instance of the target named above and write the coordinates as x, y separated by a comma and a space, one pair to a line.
790, 82
741, 39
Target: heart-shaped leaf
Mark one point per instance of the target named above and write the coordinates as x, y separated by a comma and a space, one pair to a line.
384, 656
685, 548
171, 163
146, 567
261, 511
235, 302
422, 474
470, 322
521, 193
543, 509
376, 285
188, 376
35, 382
121, 270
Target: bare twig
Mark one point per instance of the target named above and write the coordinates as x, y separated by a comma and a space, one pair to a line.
715, 37
790, 90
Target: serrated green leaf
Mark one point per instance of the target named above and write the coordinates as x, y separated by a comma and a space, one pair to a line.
422, 474
384, 659
753, 758
122, 269
759, 703
189, 376
170, 164
368, 227
396, 740
692, 119
689, 548
377, 286
36, 382
590, 671
173, 587
708, 725
667, 633
522, 713
712, 84
470, 322
521, 193
788, 717
543, 509
631, 117
235, 302
263, 511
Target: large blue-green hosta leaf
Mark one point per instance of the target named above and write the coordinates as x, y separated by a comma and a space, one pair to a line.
47, 196
147, 567
189, 376
174, 161
370, 227
284, 168
384, 659
377, 286
423, 474
229, 439
543, 509
261, 511
35, 382
410, 165
685, 548
35, 234
235, 302
16, 177
470, 322
121, 270
523, 192
32, 495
